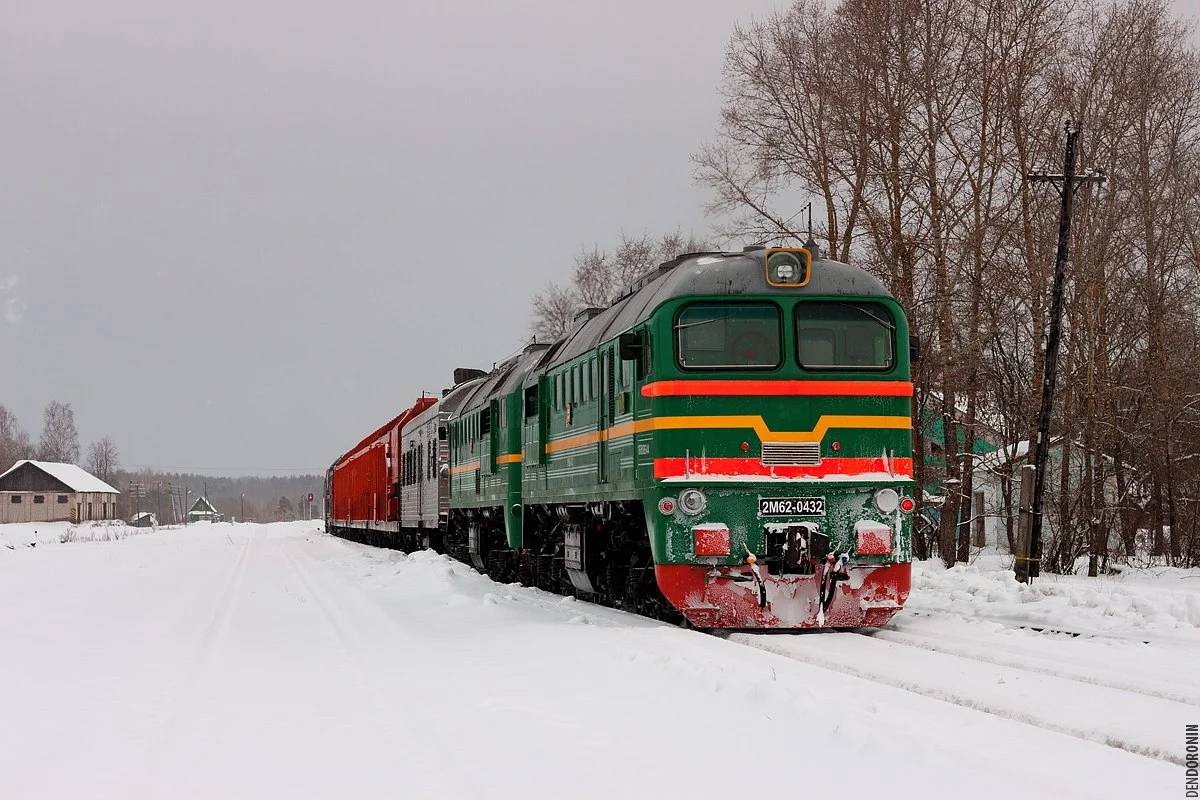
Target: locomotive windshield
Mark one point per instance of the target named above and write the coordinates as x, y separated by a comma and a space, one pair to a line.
847, 336
729, 336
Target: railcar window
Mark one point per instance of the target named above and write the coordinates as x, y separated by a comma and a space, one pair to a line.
844, 336
729, 336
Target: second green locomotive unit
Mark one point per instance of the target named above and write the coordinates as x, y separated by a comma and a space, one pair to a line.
729, 442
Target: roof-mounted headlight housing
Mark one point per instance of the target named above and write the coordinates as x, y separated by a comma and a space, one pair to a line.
789, 266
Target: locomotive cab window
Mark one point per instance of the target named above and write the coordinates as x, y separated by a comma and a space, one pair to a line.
729, 336
844, 336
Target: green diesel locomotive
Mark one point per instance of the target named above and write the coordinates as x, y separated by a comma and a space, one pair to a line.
729, 441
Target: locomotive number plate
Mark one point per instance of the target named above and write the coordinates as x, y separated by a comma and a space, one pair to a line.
791, 506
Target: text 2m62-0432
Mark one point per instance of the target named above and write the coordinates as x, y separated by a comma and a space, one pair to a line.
791, 506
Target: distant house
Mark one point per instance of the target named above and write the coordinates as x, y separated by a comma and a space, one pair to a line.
997, 491
145, 519
934, 439
203, 511
46, 491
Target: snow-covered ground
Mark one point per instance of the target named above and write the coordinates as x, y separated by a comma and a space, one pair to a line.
276, 661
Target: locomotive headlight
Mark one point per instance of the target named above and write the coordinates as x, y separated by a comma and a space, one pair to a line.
788, 267
692, 501
784, 267
887, 501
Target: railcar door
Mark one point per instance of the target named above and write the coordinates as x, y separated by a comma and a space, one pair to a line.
495, 424
420, 475
606, 411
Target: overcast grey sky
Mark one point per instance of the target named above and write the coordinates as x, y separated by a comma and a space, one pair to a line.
240, 235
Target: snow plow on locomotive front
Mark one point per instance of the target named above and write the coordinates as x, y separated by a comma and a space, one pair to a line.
759, 557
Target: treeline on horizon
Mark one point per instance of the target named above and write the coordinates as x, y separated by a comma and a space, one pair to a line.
266, 499
252, 497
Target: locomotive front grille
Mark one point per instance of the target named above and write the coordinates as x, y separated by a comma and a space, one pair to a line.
791, 454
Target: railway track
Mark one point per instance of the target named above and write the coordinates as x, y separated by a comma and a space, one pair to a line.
1031, 658
1055, 697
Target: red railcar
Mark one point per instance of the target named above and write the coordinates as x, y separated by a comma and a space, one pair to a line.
363, 481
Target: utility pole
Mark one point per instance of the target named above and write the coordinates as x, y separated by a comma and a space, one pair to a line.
1028, 564
242, 518
137, 490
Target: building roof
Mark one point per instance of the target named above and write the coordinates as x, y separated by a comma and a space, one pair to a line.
74, 477
202, 506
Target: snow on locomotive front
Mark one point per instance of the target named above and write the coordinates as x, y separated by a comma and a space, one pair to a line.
776, 425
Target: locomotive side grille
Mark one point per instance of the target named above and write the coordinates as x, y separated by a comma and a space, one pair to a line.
791, 454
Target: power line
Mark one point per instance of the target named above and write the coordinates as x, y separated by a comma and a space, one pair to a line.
163, 467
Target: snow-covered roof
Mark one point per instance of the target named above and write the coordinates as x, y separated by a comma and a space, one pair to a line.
74, 477
1013, 452
202, 506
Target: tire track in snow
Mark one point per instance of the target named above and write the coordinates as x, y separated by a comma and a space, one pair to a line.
211, 639
218, 627
1046, 702
422, 735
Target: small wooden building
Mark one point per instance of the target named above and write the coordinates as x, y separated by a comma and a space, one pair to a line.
47, 491
203, 511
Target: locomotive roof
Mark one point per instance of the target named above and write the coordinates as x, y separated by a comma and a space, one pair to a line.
457, 395
505, 378
688, 275
708, 274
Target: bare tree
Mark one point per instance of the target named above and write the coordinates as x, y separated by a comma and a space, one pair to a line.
914, 139
60, 439
103, 459
553, 309
14, 441
599, 277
